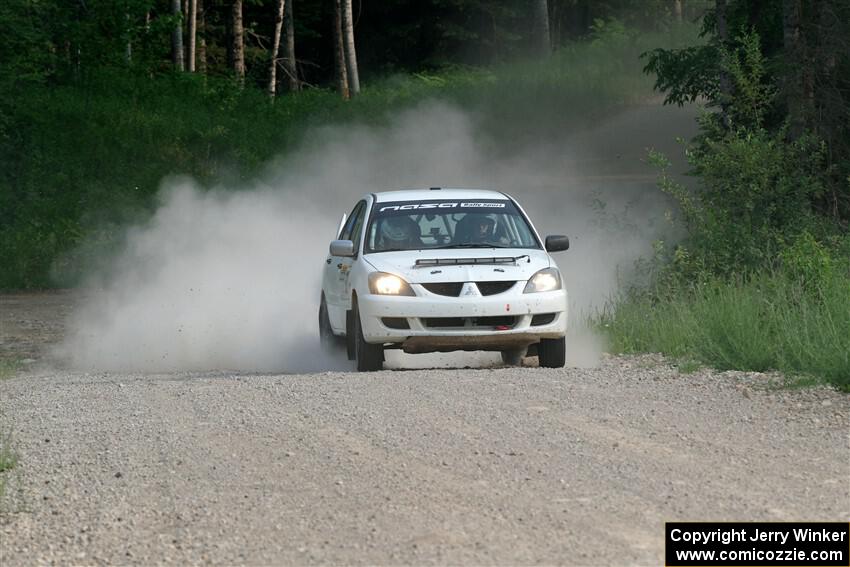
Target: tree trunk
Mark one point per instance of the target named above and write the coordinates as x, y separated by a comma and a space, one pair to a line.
185, 25
290, 63
202, 39
278, 26
339, 52
177, 36
193, 34
555, 25
541, 27
350, 51
238, 35
795, 75
677, 11
128, 49
725, 80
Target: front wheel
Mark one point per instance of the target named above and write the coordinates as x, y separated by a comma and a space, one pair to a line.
369, 357
327, 338
552, 353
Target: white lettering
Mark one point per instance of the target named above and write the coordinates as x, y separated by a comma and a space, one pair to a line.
415, 206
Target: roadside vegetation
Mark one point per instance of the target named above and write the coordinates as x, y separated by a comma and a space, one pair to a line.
8, 367
8, 461
762, 280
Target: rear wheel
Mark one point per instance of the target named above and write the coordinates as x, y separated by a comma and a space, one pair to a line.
369, 357
552, 353
513, 357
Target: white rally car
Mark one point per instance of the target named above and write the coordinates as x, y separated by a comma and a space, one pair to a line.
442, 270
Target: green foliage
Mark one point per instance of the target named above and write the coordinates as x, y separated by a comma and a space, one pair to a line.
754, 199
770, 321
8, 461
756, 188
686, 75
762, 279
752, 95
768, 76
8, 367
691, 73
808, 263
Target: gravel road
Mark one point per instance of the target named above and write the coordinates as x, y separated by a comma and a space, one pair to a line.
459, 466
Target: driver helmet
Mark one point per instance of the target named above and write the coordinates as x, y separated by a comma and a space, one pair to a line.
481, 227
397, 231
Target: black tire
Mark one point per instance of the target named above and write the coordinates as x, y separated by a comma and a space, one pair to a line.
552, 353
350, 335
513, 357
369, 357
329, 341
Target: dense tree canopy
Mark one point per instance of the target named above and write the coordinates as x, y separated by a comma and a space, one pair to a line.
777, 65
63, 39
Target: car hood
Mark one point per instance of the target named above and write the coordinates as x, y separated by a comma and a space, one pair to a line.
404, 264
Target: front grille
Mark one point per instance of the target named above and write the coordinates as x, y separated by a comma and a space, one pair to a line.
443, 322
452, 289
469, 322
543, 319
395, 322
492, 288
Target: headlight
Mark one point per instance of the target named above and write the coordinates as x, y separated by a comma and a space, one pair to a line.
381, 283
548, 279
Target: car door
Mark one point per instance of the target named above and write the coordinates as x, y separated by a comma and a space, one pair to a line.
338, 269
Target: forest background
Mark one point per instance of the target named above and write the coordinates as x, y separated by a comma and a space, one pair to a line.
101, 99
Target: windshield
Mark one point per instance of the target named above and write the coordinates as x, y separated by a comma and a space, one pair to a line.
416, 225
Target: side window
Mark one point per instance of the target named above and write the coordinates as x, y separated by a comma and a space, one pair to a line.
357, 229
348, 229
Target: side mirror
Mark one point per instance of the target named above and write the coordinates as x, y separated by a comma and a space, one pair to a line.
343, 248
557, 243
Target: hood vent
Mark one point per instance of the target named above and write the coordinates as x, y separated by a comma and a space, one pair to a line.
470, 261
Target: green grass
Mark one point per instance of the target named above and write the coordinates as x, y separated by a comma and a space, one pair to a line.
8, 461
9, 367
766, 322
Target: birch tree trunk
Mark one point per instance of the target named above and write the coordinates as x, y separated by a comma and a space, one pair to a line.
278, 26
177, 36
795, 64
677, 11
238, 41
350, 51
202, 39
339, 52
725, 80
290, 63
193, 33
541, 27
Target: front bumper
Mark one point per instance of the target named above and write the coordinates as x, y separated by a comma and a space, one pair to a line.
438, 323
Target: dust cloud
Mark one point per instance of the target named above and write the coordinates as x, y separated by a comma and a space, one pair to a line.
229, 277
